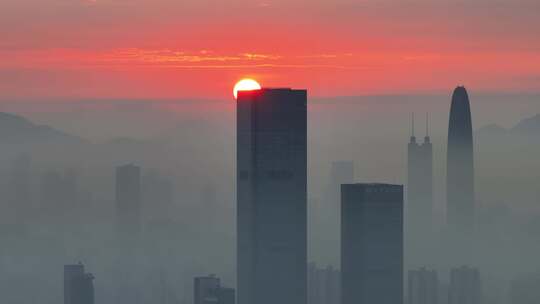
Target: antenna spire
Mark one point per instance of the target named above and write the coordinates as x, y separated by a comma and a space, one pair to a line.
412, 124
413, 138
426, 139
427, 124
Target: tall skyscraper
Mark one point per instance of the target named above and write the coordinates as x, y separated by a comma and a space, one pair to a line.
272, 196
419, 206
419, 183
208, 290
465, 286
371, 243
78, 285
128, 201
460, 165
423, 287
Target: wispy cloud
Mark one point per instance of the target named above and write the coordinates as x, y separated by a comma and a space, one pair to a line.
166, 58
327, 56
129, 58
252, 56
207, 59
177, 56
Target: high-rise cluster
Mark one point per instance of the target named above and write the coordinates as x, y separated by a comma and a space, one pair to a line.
272, 216
272, 182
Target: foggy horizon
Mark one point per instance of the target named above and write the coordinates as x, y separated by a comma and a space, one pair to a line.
269, 152
153, 136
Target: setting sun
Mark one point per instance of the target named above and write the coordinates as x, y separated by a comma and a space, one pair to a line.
245, 85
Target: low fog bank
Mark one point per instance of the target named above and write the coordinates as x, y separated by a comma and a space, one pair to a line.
58, 159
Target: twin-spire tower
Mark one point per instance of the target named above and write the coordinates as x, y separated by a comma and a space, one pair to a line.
420, 181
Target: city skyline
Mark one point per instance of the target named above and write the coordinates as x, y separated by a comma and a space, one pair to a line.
269, 152
136, 186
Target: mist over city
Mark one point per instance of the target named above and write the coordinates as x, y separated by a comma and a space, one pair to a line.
269, 152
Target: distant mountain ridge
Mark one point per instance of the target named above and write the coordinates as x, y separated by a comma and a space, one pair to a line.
526, 128
47, 145
529, 126
15, 129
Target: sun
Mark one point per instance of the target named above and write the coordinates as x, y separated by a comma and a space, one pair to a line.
245, 84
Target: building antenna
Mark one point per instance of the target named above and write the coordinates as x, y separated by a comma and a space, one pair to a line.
412, 124
427, 124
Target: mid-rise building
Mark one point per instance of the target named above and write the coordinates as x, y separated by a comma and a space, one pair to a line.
465, 286
78, 285
371, 243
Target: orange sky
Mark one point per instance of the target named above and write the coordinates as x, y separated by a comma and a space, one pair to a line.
199, 48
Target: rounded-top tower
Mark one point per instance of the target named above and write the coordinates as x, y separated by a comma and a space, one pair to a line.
460, 164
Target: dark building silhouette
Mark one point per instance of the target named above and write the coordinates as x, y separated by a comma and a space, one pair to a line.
78, 285
371, 243
271, 194
420, 182
423, 287
208, 290
128, 201
465, 286
323, 285
460, 165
